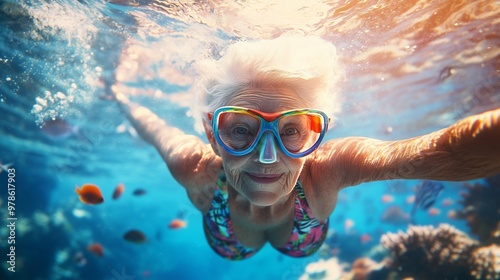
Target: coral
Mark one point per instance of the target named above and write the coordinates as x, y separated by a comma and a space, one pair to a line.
362, 269
425, 252
324, 270
481, 210
366, 268
485, 263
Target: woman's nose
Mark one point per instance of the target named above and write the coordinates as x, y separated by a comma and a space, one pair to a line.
267, 148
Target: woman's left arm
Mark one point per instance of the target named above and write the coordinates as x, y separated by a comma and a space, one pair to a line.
466, 150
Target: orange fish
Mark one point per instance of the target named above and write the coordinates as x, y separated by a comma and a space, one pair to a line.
118, 191
447, 202
348, 224
387, 198
177, 224
452, 214
96, 249
135, 236
410, 199
365, 238
434, 212
90, 194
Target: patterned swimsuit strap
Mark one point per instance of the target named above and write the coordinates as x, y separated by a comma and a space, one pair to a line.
222, 183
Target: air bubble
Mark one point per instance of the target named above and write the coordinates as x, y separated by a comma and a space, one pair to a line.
60, 95
37, 108
41, 101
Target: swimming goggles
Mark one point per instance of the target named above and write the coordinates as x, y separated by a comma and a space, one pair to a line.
239, 130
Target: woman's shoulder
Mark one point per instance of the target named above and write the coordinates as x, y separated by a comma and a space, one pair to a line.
192, 163
321, 194
200, 183
195, 167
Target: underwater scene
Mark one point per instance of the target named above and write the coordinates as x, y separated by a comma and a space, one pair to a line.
82, 196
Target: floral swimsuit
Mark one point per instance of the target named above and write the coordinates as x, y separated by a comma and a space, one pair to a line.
306, 237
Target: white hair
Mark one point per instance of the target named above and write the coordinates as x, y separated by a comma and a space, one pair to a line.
306, 64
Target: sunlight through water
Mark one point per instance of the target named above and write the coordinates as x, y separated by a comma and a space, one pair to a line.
407, 68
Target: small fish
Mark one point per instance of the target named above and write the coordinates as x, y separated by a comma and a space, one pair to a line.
426, 194
139, 192
348, 224
452, 214
387, 198
365, 238
90, 194
447, 202
135, 236
410, 199
96, 249
177, 224
118, 191
433, 211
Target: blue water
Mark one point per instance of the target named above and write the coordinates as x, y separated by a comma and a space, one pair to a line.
411, 68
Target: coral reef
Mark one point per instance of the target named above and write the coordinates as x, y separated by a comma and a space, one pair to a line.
425, 252
323, 269
366, 268
481, 210
485, 263
362, 269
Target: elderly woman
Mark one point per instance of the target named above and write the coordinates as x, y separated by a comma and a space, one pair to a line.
265, 108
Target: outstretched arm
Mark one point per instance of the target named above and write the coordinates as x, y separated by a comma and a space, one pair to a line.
187, 157
466, 150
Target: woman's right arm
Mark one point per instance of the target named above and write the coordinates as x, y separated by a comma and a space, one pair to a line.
466, 150
191, 162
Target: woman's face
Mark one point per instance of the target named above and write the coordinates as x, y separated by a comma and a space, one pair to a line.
263, 184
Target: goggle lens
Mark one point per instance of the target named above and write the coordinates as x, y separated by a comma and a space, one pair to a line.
297, 132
